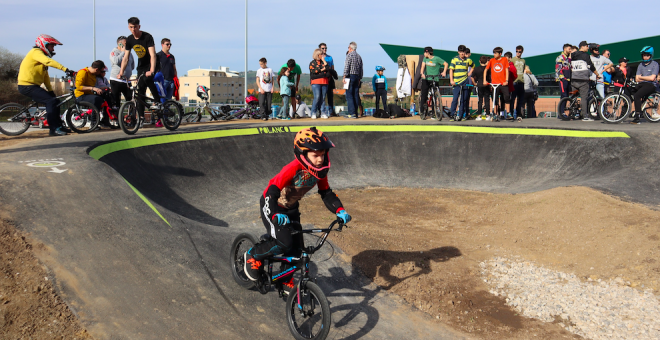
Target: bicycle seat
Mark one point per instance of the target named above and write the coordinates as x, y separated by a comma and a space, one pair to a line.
573, 92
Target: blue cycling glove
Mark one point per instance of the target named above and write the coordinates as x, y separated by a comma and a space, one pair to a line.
345, 217
281, 219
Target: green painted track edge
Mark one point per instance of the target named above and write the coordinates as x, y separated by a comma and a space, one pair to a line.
105, 149
147, 202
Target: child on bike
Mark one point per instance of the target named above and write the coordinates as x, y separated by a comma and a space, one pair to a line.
279, 202
498, 69
285, 91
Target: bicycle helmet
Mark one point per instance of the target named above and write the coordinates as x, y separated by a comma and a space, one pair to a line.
311, 139
203, 92
647, 50
380, 68
251, 100
43, 41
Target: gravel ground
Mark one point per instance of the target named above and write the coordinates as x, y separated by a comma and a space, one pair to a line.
592, 309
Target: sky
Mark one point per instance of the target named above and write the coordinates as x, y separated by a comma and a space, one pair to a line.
210, 34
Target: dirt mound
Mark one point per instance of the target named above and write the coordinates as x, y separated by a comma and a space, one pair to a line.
29, 306
426, 245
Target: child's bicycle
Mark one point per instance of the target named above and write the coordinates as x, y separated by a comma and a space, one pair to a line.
307, 309
170, 112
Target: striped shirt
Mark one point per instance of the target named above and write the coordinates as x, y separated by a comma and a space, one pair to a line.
353, 65
460, 67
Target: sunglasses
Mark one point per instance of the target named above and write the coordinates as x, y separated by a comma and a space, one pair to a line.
519, 51
324, 48
168, 44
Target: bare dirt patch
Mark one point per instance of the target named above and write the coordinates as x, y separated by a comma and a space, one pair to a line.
426, 245
29, 306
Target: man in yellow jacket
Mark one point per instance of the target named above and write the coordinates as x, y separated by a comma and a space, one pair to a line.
34, 72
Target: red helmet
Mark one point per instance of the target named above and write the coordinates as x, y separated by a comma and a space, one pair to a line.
251, 99
44, 40
311, 139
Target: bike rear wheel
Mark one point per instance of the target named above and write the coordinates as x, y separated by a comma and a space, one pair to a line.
241, 244
651, 108
83, 117
615, 108
172, 113
14, 119
128, 118
308, 312
564, 109
437, 106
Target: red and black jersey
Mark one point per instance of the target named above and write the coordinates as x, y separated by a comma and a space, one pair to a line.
292, 183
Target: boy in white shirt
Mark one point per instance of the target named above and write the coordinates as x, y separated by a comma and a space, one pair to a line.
265, 78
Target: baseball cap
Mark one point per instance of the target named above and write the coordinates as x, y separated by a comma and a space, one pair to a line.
583, 43
428, 49
623, 60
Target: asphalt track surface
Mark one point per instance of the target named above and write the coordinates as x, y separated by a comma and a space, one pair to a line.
138, 228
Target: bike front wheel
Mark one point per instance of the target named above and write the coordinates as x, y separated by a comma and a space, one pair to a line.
437, 107
241, 244
308, 312
172, 114
14, 119
615, 108
651, 108
564, 108
83, 117
128, 118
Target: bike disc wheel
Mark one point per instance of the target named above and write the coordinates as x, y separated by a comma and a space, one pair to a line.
564, 109
83, 117
651, 108
128, 118
11, 122
615, 108
308, 312
241, 244
172, 112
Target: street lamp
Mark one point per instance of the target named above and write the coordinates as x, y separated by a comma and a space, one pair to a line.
94, 29
246, 51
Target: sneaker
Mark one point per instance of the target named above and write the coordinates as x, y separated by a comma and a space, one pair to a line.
635, 121
286, 118
155, 107
324, 116
265, 118
251, 266
478, 117
313, 116
159, 123
655, 115
57, 132
489, 118
587, 119
65, 129
509, 116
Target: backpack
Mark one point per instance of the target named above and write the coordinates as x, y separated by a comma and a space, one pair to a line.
401, 61
396, 111
380, 113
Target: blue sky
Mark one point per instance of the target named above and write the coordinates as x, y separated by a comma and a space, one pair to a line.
211, 33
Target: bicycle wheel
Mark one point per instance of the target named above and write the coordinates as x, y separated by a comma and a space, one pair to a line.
241, 244
308, 316
437, 106
593, 108
14, 119
128, 118
171, 116
650, 108
615, 108
564, 108
83, 117
192, 117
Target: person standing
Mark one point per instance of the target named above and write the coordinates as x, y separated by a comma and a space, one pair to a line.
167, 67
530, 92
519, 83
294, 72
379, 84
265, 77
601, 63
286, 88
119, 83
482, 87
330, 107
143, 45
563, 73
318, 74
458, 78
430, 71
33, 72
353, 75
581, 69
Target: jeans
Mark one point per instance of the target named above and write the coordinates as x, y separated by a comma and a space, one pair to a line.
284, 110
463, 92
600, 87
40, 95
352, 95
318, 105
168, 86
265, 102
518, 93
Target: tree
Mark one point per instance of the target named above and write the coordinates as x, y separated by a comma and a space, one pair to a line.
10, 62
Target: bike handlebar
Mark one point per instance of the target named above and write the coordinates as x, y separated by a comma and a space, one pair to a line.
319, 244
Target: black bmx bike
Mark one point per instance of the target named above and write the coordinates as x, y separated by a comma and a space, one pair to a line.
570, 107
433, 107
170, 113
307, 308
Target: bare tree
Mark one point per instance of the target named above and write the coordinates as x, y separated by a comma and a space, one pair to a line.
10, 62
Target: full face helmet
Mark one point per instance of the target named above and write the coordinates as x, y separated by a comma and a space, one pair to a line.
43, 41
203, 92
311, 139
251, 100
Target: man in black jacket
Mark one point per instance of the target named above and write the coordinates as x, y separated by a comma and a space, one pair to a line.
582, 67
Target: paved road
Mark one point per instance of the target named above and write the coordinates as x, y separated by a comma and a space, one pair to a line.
130, 273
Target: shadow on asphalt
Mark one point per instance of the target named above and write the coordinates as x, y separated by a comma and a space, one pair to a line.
45, 147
